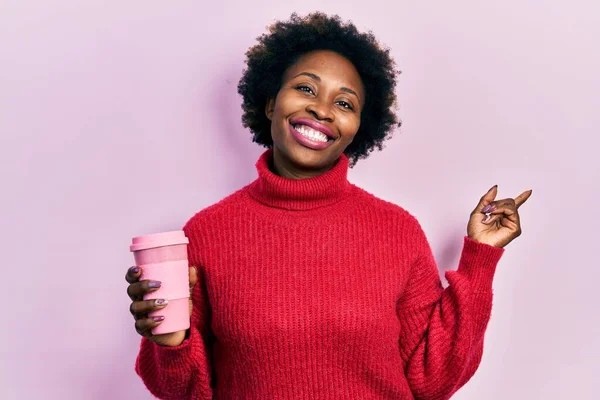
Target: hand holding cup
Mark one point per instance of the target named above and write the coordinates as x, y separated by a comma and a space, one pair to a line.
160, 285
139, 308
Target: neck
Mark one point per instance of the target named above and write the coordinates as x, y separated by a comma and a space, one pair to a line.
277, 191
282, 166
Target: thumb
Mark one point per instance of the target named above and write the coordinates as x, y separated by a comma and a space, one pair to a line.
193, 276
487, 198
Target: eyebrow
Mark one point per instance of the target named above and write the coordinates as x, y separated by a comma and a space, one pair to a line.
318, 79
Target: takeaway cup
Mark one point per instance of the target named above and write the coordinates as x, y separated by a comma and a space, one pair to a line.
163, 257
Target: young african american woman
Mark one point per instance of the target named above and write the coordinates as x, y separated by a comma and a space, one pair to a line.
303, 285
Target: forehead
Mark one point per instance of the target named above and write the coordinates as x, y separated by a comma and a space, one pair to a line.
329, 65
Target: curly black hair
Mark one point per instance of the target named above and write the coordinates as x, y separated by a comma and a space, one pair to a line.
287, 42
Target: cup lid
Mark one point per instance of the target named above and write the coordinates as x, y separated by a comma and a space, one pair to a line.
158, 240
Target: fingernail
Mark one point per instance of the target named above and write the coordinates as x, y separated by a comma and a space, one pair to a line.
493, 187
134, 270
154, 284
488, 208
160, 302
487, 218
159, 318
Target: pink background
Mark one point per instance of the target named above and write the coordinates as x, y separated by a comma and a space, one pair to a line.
122, 118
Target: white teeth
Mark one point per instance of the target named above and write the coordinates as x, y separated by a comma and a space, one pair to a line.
311, 133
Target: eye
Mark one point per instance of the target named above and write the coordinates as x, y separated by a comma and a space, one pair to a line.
348, 104
303, 87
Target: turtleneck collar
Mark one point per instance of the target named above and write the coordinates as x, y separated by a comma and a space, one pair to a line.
299, 194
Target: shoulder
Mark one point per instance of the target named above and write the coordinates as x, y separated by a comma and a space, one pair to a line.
219, 212
397, 220
370, 202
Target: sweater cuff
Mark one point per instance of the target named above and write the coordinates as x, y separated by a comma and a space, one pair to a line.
178, 356
154, 358
478, 263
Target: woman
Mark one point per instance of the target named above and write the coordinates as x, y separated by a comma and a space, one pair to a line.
305, 286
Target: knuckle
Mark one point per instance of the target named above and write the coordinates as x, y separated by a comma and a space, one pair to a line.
134, 291
132, 308
141, 327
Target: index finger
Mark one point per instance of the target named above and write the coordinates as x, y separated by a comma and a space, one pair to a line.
133, 274
522, 198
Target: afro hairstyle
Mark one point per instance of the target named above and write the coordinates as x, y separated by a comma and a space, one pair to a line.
287, 41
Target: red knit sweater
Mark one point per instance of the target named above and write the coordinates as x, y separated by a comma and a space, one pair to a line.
316, 289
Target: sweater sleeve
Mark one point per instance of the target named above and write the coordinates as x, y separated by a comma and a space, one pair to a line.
184, 371
442, 330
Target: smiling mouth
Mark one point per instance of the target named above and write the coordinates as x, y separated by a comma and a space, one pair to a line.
312, 134
310, 138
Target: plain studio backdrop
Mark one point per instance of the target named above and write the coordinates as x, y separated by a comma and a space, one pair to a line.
122, 118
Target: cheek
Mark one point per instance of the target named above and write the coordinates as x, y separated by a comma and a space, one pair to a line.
287, 103
350, 126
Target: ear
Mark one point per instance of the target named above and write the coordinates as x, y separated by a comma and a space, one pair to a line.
270, 108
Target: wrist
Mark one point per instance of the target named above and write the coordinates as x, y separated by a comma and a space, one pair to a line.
175, 339
483, 241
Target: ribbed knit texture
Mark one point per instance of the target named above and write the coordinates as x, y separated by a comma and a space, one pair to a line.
316, 289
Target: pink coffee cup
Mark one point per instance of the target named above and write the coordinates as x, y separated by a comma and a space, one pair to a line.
163, 257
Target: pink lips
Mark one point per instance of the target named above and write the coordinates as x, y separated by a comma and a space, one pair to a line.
307, 142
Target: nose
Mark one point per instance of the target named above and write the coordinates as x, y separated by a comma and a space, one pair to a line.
320, 110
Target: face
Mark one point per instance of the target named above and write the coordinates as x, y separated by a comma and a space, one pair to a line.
316, 113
